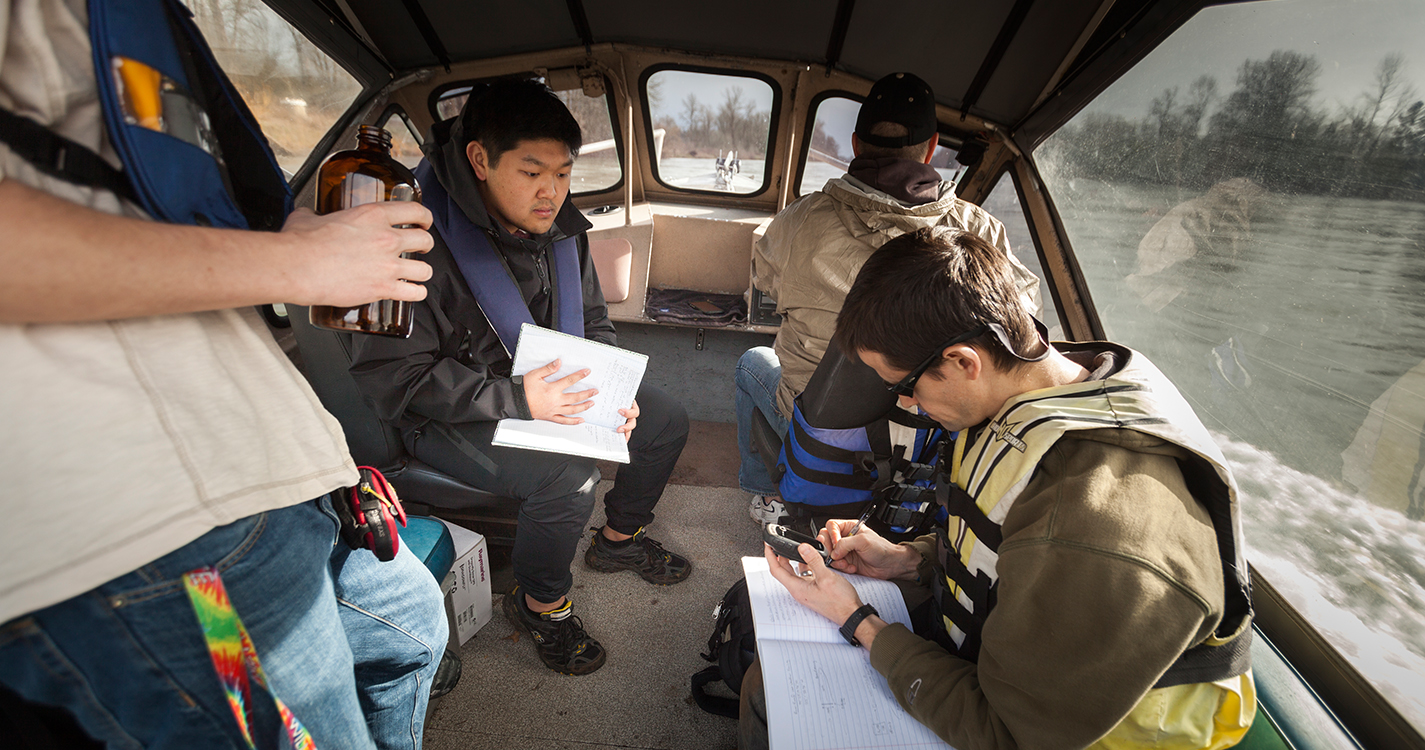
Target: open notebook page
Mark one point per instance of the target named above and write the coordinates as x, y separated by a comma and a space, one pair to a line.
775, 614
827, 696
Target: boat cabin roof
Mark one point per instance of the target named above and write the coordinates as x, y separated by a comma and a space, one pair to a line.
1024, 66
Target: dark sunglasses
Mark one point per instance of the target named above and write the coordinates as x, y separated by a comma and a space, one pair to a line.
906, 386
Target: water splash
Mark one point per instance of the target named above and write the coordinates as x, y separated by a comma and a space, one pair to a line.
1353, 569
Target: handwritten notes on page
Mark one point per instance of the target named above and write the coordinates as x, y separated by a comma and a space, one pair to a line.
616, 373
823, 693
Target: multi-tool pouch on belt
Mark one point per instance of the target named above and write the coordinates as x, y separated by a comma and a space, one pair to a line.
369, 513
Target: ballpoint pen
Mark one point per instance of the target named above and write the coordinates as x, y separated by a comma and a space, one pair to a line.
871, 506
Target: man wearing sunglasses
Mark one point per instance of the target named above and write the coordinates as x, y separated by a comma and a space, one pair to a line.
1088, 588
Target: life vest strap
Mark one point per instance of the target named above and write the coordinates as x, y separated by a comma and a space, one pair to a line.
900, 516
959, 503
61, 158
857, 480
950, 607
861, 462
1204, 663
976, 585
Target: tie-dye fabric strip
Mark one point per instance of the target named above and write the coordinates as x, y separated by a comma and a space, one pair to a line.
235, 658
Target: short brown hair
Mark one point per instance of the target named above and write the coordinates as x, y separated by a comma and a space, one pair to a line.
923, 288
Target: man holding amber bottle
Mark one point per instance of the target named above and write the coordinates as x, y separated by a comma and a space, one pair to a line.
497, 180
150, 424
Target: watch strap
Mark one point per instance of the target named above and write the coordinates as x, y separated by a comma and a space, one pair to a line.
848, 629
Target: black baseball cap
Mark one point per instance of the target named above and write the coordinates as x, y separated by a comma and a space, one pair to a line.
901, 98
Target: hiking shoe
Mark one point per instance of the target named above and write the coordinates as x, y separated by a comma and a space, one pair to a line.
766, 509
558, 636
642, 555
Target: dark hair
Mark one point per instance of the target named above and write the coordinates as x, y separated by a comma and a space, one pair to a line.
500, 115
914, 152
923, 288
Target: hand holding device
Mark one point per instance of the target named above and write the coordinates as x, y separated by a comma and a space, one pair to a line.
784, 542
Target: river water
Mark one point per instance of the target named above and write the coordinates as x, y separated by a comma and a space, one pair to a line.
1295, 325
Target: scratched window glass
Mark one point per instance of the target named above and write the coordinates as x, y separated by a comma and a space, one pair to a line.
294, 90
1248, 208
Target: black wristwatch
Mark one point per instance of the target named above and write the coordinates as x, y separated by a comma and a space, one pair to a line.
848, 630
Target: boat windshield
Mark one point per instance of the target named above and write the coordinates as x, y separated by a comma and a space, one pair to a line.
1248, 207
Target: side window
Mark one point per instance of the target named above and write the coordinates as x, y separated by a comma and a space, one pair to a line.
1003, 204
598, 166
828, 150
405, 144
294, 90
1250, 215
710, 131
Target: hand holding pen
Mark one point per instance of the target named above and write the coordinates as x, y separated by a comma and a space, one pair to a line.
863, 551
865, 514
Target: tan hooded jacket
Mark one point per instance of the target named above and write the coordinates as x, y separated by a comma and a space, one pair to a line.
807, 256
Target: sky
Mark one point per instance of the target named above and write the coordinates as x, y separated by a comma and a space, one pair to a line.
677, 84
1348, 38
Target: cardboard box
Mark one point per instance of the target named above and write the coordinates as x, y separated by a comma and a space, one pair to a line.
470, 599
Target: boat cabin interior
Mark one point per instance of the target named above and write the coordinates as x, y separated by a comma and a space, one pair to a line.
1216, 184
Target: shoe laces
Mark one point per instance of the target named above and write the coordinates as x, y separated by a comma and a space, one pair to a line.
570, 635
654, 549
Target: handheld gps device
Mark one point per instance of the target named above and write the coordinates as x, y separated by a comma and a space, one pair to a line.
784, 542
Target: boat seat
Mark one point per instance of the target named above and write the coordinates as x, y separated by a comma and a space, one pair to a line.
430, 541
326, 357
613, 261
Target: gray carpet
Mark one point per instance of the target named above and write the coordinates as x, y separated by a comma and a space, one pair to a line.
640, 699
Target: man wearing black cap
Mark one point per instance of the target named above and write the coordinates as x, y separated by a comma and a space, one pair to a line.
807, 255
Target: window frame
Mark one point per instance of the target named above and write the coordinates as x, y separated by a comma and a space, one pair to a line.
767, 183
396, 110
1009, 171
441, 91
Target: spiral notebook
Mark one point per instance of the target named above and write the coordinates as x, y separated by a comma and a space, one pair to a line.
615, 372
822, 692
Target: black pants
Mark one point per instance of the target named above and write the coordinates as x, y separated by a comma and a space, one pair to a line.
556, 492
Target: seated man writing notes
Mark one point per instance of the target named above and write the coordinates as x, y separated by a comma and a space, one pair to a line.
496, 178
1088, 589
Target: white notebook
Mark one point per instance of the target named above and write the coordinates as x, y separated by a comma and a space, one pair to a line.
822, 692
616, 373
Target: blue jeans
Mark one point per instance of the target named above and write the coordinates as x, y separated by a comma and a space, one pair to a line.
758, 374
349, 643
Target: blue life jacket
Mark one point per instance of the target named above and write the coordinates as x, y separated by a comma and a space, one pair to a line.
838, 472
192, 153
490, 280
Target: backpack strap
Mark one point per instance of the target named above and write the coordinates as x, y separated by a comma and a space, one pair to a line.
61, 158
713, 704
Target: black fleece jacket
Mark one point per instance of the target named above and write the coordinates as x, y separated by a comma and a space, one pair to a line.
453, 367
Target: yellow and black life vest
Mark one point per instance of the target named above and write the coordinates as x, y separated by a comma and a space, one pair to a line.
979, 483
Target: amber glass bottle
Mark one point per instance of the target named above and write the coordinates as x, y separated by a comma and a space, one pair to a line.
366, 174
